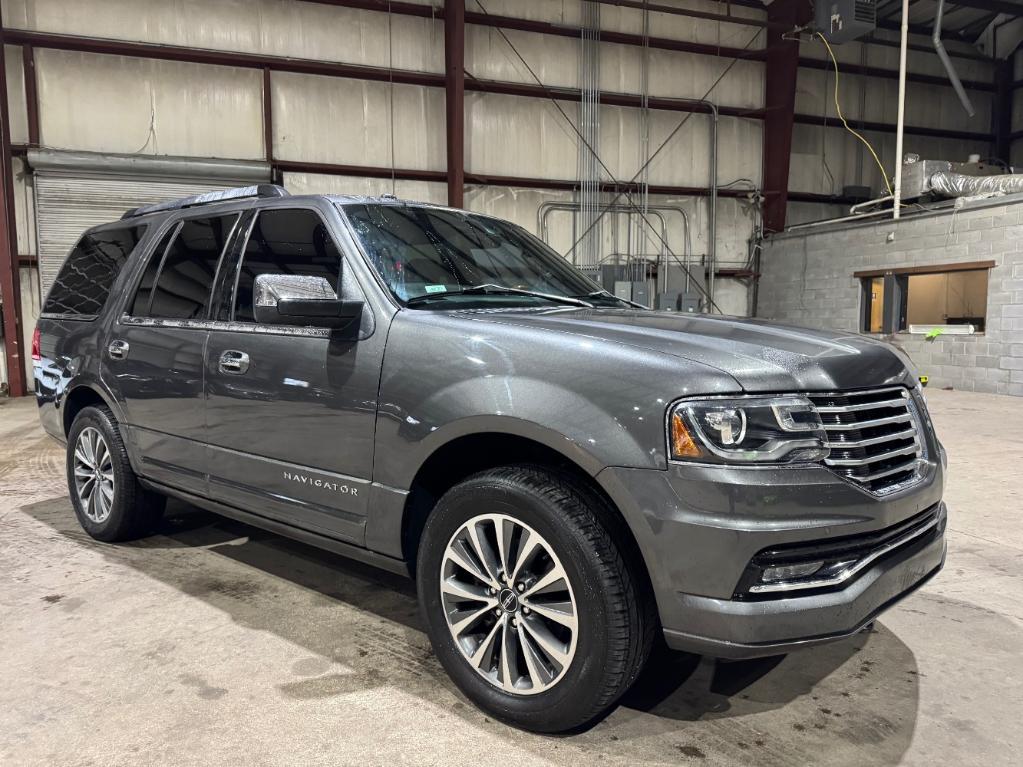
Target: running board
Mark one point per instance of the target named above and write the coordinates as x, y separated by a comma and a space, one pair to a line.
347, 550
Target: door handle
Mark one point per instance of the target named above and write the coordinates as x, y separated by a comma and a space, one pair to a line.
234, 362
118, 349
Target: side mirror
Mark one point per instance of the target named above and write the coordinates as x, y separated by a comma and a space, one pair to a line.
296, 299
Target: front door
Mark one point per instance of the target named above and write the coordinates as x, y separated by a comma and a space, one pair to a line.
291, 410
154, 358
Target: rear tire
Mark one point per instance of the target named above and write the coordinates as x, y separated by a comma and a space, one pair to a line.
608, 635
110, 503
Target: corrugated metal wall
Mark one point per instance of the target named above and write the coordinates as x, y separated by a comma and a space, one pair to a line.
115, 104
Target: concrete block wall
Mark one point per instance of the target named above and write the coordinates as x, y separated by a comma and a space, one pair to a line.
807, 279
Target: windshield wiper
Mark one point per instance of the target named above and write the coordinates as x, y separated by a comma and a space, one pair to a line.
607, 294
497, 290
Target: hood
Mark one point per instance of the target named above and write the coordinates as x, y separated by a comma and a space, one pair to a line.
761, 356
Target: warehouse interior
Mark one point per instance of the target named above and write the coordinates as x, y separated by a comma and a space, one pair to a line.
767, 159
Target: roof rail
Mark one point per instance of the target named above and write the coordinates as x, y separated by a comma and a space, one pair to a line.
238, 193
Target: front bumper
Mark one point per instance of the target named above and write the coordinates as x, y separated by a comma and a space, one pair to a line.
699, 527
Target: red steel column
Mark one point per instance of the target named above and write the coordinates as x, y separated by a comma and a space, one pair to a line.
10, 283
780, 104
454, 92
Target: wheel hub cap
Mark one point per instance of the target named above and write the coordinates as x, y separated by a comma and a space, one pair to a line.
509, 604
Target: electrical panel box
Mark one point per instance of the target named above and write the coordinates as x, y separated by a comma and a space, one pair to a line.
841, 21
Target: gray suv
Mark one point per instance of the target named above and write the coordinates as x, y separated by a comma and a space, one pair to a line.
568, 478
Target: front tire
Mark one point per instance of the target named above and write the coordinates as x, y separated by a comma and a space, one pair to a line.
533, 605
110, 503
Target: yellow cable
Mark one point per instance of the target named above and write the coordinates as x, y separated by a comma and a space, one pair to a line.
841, 117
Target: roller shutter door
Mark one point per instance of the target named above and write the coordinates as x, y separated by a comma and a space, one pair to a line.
69, 203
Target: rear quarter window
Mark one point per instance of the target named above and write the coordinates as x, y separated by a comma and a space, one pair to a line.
84, 281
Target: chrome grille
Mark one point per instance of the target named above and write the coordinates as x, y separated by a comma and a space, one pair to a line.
874, 437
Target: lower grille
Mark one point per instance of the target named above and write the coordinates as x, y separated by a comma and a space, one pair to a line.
840, 560
874, 437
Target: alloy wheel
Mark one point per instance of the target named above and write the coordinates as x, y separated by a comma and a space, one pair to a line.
509, 604
94, 474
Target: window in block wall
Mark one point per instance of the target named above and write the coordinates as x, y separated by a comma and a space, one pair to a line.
896, 299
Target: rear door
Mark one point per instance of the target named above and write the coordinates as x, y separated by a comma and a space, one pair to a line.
291, 410
153, 360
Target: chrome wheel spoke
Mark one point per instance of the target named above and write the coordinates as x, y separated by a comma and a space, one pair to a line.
509, 604
481, 547
457, 588
527, 547
546, 641
103, 461
507, 654
559, 612
93, 473
459, 626
483, 653
539, 674
81, 459
552, 577
504, 532
457, 553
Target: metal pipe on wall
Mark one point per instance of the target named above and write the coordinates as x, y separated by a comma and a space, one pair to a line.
712, 243
946, 62
901, 120
545, 209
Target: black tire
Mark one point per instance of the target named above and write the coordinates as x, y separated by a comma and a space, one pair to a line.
616, 615
134, 511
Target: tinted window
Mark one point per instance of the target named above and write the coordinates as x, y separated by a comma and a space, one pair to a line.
84, 282
185, 279
140, 305
285, 242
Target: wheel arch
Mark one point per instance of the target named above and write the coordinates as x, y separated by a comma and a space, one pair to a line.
79, 398
468, 454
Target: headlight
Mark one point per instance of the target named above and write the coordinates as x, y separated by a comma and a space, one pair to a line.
746, 430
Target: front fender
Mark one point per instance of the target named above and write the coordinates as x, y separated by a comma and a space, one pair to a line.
597, 402
551, 415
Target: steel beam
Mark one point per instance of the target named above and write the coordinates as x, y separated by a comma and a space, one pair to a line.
621, 38
488, 179
991, 6
890, 74
878, 127
28, 58
268, 116
220, 58
10, 280
454, 94
779, 105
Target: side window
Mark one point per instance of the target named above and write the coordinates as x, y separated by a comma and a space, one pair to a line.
84, 281
140, 304
184, 279
287, 241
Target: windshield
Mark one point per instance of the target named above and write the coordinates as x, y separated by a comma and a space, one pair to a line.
438, 253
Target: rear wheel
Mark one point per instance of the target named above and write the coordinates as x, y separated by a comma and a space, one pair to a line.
533, 609
109, 501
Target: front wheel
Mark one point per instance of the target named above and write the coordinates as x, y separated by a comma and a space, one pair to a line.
532, 608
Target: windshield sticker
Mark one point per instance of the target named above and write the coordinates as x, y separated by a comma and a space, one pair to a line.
436, 289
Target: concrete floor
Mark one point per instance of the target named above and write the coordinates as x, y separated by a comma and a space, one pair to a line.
215, 643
